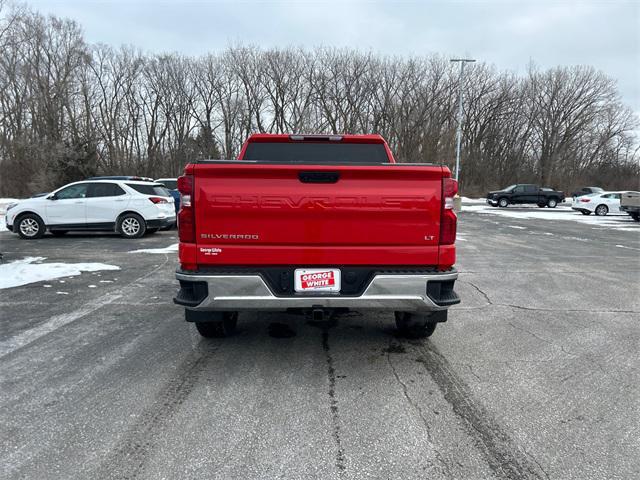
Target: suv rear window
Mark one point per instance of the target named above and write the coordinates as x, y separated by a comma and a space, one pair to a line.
317, 152
150, 189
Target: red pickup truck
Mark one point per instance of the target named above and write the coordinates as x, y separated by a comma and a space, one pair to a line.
316, 223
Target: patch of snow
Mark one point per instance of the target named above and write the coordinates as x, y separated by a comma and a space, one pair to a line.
517, 227
473, 200
170, 249
62, 293
31, 270
616, 222
92, 286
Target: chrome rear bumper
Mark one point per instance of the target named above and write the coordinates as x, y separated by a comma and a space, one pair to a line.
398, 292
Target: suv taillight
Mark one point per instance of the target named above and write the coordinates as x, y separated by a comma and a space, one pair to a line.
448, 220
158, 200
186, 215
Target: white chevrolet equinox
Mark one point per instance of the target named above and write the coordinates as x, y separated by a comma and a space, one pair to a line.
128, 207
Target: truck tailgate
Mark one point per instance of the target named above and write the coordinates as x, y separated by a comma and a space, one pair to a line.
284, 214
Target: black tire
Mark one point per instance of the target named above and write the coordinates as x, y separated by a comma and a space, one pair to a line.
217, 324
29, 226
503, 202
413, 325
58, 233
601, 210
552, 203
541, 205
152, 230
131, 225
636, 216
585, 212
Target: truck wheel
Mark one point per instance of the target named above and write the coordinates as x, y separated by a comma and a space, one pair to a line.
503, 202
602, 210
636, 216
413, 325
541, 205
218, 324
30, 226
131, 225
552, 202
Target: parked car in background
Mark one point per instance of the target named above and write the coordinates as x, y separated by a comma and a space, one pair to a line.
521, 194
630, 203
598, 203
130, 208
587, 191
172, 186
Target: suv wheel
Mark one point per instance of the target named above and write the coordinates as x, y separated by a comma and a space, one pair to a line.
413, 325
30, 226
552, 202
602, 210
131, 225
503, 202
217, 325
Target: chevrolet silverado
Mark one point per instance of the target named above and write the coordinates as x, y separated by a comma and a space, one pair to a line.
317, 224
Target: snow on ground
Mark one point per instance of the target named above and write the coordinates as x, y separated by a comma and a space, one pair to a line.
31, 270
170, 249
617, 222
473, 200
3, 210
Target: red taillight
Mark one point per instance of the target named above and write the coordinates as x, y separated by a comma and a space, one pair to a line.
158, 200
448, 218
186, 215
585, 200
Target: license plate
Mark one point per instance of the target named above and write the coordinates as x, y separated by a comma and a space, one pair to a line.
317, 279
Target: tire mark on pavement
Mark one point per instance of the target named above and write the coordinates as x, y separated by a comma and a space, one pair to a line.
128, 458
501, 452
416, 406
333, 403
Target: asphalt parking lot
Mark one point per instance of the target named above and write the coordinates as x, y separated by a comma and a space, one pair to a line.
534, 376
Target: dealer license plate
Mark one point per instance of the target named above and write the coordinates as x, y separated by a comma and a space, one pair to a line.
317, 279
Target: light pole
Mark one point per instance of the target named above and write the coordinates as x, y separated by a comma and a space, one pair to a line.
462, 62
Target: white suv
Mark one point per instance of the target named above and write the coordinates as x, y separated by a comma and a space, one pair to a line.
128, 207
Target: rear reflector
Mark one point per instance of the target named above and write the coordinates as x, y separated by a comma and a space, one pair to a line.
585, 200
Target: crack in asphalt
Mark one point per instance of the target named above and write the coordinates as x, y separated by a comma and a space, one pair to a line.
127, 459
418, 409
333, 403
532, 309
503, 457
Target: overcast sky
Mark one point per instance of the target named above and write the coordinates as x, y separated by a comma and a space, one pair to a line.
507, 34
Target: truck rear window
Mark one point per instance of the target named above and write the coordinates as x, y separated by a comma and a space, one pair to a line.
316, 152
